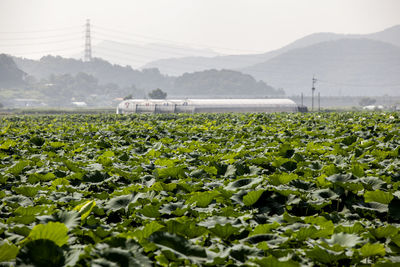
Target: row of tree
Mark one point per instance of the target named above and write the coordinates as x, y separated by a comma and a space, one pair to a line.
59, 81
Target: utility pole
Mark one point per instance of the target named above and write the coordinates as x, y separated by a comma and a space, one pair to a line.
312, 92
319, 102
302, 104
88, 47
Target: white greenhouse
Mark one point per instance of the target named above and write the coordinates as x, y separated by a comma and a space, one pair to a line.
206, 105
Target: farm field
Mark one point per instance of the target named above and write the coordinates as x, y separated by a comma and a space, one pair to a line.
200, 190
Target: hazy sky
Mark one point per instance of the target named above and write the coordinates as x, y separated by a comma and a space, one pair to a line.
227, 26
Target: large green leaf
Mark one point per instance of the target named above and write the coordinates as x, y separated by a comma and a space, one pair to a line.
172, 172
54, 231
123, 257
378, 196
369, 250
151, 211
325, 256
344, 240
119, 202
224, 231
147, 230
203, 199
252, 197
264, 228
244, 183
40, 252
7, 251
384, 231
271, 261
177, 244
29, 191
85, 208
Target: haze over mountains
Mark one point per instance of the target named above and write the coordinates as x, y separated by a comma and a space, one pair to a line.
350, 64
343, 67
177, 66
136, 55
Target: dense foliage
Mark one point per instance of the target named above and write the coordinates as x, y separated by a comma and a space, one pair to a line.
225, 83
56, 80
173, 190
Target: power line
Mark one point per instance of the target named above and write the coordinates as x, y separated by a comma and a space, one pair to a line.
48, 51
170, 41
171, 53
41, 37
41, 43
47, 30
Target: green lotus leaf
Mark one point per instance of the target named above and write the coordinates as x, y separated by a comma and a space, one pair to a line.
378, 196
177, 172
144, 233
124, 257
202, 199
283, 178
54, 231
372, 183
355, 228
348, 140
7, 251
18, 201
224, 231
273, 240
18, 167
177, 244
151, 211
357, 170
85, 208
29, 191
306, 232
230, 171
372, 206
242, 252
341, 178
37, 140
271, 261
343, 239
369, 250
325, 256
119, 202
252, 197
384, 231
264, 228
40, 252
186, 228
71, 219
244, 183
8, 144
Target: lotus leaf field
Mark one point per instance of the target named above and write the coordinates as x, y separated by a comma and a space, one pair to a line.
200, 190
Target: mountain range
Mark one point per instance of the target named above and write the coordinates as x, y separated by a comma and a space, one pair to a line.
136, 55
177, 66
345, 64
342, 67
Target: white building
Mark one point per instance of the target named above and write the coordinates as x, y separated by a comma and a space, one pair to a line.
206, 105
